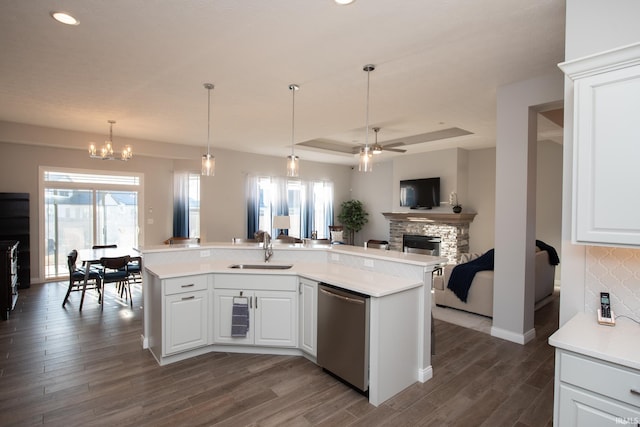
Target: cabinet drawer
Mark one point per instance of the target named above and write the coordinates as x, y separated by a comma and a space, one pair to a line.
266, 282
616, 382
185, 284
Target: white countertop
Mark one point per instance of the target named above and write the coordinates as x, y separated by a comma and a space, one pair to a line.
403, 257
618, 344
363, 281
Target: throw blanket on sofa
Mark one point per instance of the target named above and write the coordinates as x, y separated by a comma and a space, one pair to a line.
553, 255
462, 275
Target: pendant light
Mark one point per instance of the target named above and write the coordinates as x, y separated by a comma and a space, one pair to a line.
208, 161
106, 152
366, 155
293, 161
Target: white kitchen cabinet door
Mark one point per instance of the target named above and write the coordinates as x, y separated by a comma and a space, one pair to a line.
186, 321
606, 144
276, 314
222, 311
581, 408
308, 316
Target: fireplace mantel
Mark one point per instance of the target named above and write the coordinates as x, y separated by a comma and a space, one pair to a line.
438, 217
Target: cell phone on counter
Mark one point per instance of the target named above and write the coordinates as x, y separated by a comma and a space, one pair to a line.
605, 314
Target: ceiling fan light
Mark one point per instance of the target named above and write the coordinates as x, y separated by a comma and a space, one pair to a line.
376, 149
343, 2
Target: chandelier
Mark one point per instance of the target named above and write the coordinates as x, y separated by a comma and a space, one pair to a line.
106, 152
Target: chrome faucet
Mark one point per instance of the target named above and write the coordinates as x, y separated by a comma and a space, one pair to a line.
268, 247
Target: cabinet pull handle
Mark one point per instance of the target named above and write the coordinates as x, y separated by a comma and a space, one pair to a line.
191, 297
635, 391
187, 286
250, 302
256, 302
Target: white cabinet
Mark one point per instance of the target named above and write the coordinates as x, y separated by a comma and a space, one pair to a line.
273, 309
606, 147
308, 315
597, 377
185, 314
591, 392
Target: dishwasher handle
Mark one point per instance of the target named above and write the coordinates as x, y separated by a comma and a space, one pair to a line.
347, 299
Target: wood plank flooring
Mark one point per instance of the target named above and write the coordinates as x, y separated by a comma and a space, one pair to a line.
62, 367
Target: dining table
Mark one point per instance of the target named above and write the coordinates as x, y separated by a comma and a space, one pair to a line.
89, 257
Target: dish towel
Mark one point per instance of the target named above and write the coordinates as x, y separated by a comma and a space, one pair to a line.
240, 317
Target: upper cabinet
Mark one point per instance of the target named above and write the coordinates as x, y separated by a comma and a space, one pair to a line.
606, 147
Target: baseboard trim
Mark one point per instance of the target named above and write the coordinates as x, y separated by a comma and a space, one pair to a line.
425, 374
513, 336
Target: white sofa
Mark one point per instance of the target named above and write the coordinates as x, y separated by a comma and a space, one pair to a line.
480, 298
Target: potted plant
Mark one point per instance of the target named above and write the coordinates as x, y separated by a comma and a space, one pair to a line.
353, 217
453, 201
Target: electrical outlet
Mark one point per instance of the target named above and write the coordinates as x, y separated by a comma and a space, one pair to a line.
204, 254
368, 263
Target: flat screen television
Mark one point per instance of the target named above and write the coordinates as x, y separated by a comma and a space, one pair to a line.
421, 193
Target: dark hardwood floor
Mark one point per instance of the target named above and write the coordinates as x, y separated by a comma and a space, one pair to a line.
62, 367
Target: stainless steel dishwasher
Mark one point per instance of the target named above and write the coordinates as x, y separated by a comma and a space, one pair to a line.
343, 335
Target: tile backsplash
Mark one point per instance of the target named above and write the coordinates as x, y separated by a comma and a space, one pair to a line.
617, 271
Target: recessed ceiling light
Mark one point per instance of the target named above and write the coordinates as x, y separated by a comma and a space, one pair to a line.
64, 18
343, 2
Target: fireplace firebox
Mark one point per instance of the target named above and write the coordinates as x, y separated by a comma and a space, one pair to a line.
416, 241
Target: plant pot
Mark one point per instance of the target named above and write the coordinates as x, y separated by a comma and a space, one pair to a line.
457, 209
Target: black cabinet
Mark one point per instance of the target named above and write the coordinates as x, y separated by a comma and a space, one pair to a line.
8, 276
14, 225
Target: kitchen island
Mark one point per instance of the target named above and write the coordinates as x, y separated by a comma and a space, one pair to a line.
190, 291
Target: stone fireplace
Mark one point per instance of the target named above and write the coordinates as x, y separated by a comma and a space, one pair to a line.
453, 230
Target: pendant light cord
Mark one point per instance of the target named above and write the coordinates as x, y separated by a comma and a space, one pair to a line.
293, 115
368, 68
366, 139
208, 86
208, 120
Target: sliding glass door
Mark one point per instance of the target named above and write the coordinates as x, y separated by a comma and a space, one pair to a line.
82, 209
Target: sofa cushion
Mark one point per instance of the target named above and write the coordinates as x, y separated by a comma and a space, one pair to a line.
466, 257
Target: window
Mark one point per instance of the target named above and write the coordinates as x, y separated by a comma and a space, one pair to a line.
186, 204
309, 204
80, 209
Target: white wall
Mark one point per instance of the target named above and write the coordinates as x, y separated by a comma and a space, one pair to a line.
594, 26
516, 170
375, 191
482, 196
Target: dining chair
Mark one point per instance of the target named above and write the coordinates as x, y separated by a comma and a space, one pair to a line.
115, 270
76, 279
135, 269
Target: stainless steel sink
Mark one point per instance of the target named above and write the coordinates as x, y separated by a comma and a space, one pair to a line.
262, 266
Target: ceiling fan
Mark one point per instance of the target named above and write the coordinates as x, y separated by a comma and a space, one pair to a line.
339, 147
377, 148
